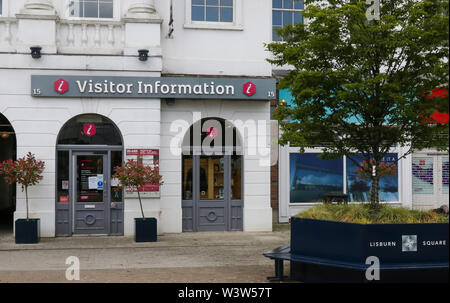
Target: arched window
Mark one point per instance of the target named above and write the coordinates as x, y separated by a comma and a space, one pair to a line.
212, 178
82, 141
89, 129
222, 134
8, 148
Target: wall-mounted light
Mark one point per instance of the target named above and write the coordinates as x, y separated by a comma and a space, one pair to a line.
143, 54
283, 102
4, 135
35, 52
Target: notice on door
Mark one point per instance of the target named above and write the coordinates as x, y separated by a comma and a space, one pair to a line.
147, 157
92, 181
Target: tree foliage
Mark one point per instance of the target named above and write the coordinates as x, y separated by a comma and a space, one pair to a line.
360, 86
134, 175
27, 171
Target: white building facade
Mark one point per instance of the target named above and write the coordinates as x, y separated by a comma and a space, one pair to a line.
205, 63
181, 83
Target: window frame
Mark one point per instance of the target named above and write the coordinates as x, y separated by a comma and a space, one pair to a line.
115, 17
288, 150
3, 8
292, 10
235, 25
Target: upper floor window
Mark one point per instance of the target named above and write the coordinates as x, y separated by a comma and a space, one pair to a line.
91, 8
212, 10
285, 12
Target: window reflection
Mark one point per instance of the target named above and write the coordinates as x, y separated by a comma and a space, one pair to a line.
359, 188
187, 178
212, 178
102, 131
91, 8
312, 177
116, 161
236, 183
89, 172
63, 177
212, 10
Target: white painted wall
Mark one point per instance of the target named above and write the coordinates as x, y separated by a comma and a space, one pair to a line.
234, 51
257, 210
37, 123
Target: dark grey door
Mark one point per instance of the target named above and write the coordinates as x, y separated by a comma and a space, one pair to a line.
212, 193
91, 193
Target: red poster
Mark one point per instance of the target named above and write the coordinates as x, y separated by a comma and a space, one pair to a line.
146, 157
63, 199
142, 152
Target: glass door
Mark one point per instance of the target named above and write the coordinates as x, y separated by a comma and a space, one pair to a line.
211, 186
212, 193
91, 193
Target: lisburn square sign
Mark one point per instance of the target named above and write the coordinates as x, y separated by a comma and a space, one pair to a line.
153, 87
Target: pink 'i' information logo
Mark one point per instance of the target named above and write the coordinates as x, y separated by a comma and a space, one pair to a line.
61, 86
212, 132
89, 129
249, 89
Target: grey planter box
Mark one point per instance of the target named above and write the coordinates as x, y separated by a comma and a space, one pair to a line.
27, 232
337, 251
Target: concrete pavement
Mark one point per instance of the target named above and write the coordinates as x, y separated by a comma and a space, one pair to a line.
184, 257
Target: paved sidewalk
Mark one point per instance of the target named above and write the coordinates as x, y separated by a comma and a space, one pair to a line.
184, 257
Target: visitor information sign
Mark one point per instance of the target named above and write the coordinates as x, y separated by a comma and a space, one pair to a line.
69, 86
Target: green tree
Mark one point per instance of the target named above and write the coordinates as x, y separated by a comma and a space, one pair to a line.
360, 85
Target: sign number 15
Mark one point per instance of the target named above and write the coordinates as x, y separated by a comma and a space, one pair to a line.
36, 91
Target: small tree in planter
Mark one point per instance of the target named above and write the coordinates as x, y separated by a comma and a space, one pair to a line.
134, 175
26, 171
363, 87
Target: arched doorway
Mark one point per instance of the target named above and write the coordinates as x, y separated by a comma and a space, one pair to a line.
212, 179
8, 147
89, 147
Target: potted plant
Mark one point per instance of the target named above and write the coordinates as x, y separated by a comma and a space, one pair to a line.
411, 245
133, 175
26, 171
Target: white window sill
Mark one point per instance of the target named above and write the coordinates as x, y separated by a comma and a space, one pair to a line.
214, 26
